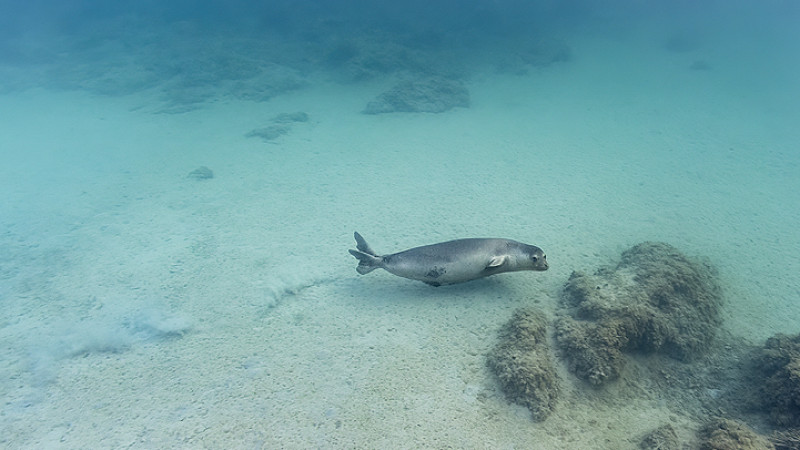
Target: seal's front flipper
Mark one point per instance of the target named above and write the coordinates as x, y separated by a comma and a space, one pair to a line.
367, 259
497, 261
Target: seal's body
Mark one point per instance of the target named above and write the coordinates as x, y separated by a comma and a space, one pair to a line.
452, 261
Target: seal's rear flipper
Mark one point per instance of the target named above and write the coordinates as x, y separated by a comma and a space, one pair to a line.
366, 263
362, 245
368, 260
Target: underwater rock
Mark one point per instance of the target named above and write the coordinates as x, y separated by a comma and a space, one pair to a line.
201, 173
282, 124
593, 350
179, 99
185, 92
376, 54
271, 82
725, 434
521, 361
786, 440
290, 117
269, 133
779, 364
433, 95
656, 300
360, 60
662, 438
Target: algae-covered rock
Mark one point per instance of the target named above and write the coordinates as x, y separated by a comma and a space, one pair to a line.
779, 363
201, 173
269, 133
656, 300
662, 438
434, 95
724, 434
786, 440
521, 360
290, 117
592, 350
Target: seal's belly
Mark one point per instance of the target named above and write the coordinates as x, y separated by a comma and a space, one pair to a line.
435, 269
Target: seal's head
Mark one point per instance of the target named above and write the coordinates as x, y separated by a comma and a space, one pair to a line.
521, 256
539, 260
533, 258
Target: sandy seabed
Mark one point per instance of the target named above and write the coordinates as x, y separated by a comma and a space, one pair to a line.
147, 309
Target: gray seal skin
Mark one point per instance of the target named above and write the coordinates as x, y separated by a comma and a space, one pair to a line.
452, 262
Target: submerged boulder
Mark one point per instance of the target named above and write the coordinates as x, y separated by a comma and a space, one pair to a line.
726, 434
201, 173
433, 95
656, 300
779, 366
522, 363
662, 438
268, 133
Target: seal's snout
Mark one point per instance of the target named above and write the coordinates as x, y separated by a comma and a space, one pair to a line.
541, 262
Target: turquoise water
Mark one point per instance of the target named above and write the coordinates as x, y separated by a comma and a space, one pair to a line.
146, 307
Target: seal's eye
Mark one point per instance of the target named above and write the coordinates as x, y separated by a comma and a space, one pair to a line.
535, 259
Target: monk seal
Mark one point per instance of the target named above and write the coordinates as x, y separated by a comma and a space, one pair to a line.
452, 262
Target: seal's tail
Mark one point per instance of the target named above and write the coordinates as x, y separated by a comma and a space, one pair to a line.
368, 260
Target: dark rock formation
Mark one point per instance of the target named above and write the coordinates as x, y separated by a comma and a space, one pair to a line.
724, 434
656, 300
428, 95
522, 363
